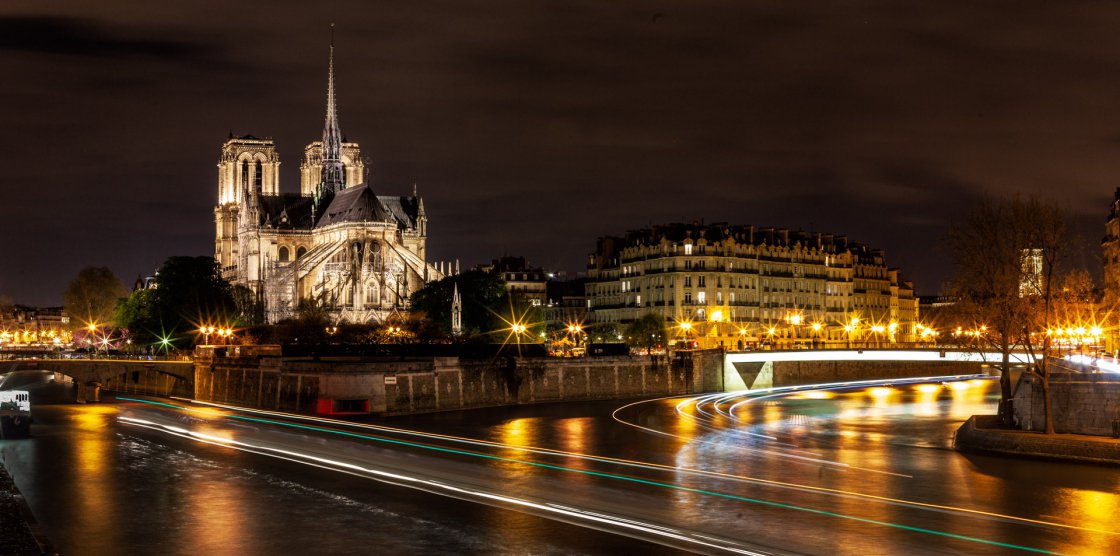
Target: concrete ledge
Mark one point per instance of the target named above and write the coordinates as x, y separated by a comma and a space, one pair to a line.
982, 433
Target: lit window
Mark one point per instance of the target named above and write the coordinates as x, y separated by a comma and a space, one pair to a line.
701, 297
688, 249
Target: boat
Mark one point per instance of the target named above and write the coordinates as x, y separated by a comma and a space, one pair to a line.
15, 414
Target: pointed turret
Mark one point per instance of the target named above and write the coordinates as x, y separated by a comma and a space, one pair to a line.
456, 312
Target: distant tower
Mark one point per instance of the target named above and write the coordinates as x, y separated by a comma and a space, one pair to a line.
456, 312
331, 176
1110, 246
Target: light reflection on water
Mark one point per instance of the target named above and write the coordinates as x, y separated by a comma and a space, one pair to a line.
206, 499
98, 488
906, 431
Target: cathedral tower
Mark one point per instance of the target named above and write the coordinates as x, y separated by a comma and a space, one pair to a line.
247, 165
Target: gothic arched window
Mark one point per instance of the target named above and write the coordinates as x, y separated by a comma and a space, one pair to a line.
282, 254
244, 172
300, 252
258, 175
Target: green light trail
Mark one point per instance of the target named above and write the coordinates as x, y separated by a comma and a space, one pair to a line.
624, 478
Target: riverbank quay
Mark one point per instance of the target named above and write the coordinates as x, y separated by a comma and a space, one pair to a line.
17, 525
984, 434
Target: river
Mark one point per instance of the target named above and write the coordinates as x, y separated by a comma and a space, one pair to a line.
858, 471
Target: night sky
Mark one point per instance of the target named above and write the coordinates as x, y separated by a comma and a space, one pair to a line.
531, 128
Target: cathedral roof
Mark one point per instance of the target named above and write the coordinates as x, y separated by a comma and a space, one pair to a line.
405, 210
355, 204
286, 210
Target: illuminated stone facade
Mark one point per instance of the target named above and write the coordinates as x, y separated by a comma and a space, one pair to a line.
1110, 246
336, 243
735, 285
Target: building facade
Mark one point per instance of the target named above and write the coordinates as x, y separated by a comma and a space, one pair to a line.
336, 244
1110, 246
720, 284
522, 279
24, 326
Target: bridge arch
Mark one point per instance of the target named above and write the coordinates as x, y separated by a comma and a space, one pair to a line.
158, 378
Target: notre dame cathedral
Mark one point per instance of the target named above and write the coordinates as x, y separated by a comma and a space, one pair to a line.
336, 243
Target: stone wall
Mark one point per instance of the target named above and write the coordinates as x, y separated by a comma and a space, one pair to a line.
770, 374
397, 385
984, 433
793, 373
1082, 403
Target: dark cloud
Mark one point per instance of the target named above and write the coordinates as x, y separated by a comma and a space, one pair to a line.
533, 128
84, 37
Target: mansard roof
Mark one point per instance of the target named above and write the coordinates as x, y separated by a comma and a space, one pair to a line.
743, 234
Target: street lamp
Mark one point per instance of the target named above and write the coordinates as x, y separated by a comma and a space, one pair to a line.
575, 330
685, 327
878, 329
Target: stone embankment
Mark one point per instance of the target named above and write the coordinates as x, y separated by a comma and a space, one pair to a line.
16, 523
983, 434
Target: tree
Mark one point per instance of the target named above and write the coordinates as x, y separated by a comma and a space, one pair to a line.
250, 309
190, 293
138, 314
648, 331
1008, 255
484, 299
92, 297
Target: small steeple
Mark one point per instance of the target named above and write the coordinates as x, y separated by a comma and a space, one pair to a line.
456, 312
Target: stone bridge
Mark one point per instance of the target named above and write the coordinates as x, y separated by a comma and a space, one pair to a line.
155, 377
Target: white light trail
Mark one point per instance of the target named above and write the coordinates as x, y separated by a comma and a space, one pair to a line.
579, 517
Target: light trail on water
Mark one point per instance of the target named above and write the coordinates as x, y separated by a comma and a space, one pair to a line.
576, 516
799, 487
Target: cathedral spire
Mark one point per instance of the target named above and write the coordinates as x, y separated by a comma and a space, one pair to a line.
332, 179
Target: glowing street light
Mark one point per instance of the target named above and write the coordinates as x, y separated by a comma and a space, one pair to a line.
206, 331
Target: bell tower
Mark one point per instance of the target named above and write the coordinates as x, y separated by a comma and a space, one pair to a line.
248, 166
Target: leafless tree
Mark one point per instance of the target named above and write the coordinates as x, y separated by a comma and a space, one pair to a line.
1008, 256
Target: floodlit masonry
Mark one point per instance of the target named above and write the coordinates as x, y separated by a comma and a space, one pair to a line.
337, 243
740, 286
